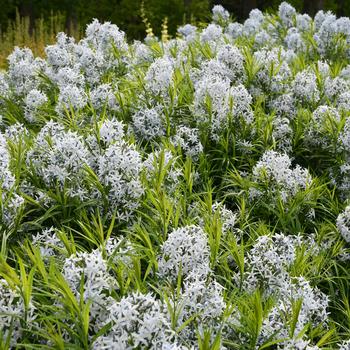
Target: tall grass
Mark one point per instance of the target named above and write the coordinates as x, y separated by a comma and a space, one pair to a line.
42, 32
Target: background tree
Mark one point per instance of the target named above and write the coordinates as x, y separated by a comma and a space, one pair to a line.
126, 13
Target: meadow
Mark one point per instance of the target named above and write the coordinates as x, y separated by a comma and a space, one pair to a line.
178, 193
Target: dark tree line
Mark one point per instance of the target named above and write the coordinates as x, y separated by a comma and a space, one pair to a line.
126, 13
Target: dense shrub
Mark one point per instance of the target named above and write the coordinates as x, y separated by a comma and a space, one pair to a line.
188, 193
